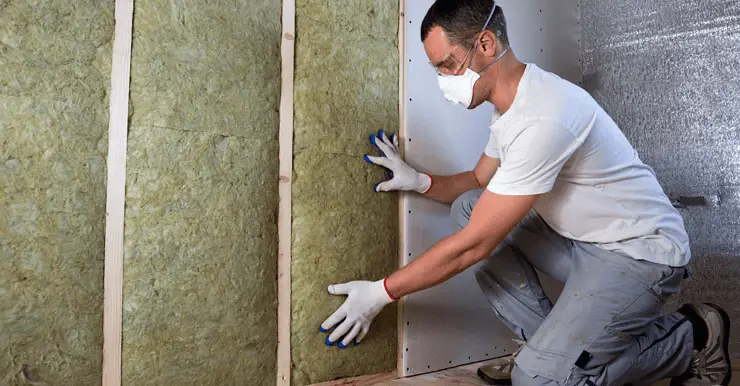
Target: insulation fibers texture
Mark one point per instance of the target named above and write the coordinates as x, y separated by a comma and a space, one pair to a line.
669, 73
200, 292
346, 87
54, 79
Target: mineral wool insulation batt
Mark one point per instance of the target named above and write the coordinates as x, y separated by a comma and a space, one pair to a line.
54, 79
346, 87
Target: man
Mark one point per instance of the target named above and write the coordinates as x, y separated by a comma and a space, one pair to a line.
565, 193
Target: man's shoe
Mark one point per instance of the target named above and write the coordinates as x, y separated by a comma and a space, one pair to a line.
710, 365
498, 371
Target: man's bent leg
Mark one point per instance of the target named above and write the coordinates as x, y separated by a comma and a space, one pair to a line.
606, 327
508, 278
661, 353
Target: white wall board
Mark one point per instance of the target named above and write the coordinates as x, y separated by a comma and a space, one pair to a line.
453, 324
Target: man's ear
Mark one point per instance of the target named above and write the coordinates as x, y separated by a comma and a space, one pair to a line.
488, 43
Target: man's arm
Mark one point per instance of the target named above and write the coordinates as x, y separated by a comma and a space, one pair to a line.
440, 188
493, 217
447, 189
534, 161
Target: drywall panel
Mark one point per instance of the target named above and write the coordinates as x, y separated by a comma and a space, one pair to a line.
346, 87
200, 247
54, 77
669, 75
453, 324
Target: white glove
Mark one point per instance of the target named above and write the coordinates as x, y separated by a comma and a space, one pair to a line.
404, 176
364, 301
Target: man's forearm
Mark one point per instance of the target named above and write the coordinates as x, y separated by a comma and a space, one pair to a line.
450, 256
447, 189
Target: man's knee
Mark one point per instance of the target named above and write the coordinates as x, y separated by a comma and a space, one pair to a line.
462, 207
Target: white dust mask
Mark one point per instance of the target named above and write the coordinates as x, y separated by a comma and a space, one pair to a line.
459, 88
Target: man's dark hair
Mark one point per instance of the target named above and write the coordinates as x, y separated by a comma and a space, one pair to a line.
462, 20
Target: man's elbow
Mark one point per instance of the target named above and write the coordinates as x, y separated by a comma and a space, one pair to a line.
476, 182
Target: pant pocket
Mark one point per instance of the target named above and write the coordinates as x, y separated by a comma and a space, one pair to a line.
550, 365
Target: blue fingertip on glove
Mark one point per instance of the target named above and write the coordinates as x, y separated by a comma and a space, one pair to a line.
380, 133
322, 329
375, 188
341, 346
328, 342
367, 159
356, 342
372, 139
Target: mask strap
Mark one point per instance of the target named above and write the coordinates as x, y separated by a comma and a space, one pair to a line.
489, 17
501, 55
475, 46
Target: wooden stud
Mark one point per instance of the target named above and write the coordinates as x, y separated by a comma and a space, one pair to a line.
287, 52
116, 193
402, 196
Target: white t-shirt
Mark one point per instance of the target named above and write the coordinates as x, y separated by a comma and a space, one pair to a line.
556, 140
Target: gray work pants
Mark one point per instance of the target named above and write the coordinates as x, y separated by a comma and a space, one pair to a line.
606, 328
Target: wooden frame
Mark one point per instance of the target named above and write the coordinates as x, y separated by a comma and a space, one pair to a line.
116, 193
287, 53
402, 135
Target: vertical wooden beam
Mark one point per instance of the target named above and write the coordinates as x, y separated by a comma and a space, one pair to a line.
116, 193
402, 136
287, 52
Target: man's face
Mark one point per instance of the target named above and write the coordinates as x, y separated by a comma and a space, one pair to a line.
453, 59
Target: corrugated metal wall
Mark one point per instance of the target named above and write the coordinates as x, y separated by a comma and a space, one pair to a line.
669, 73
